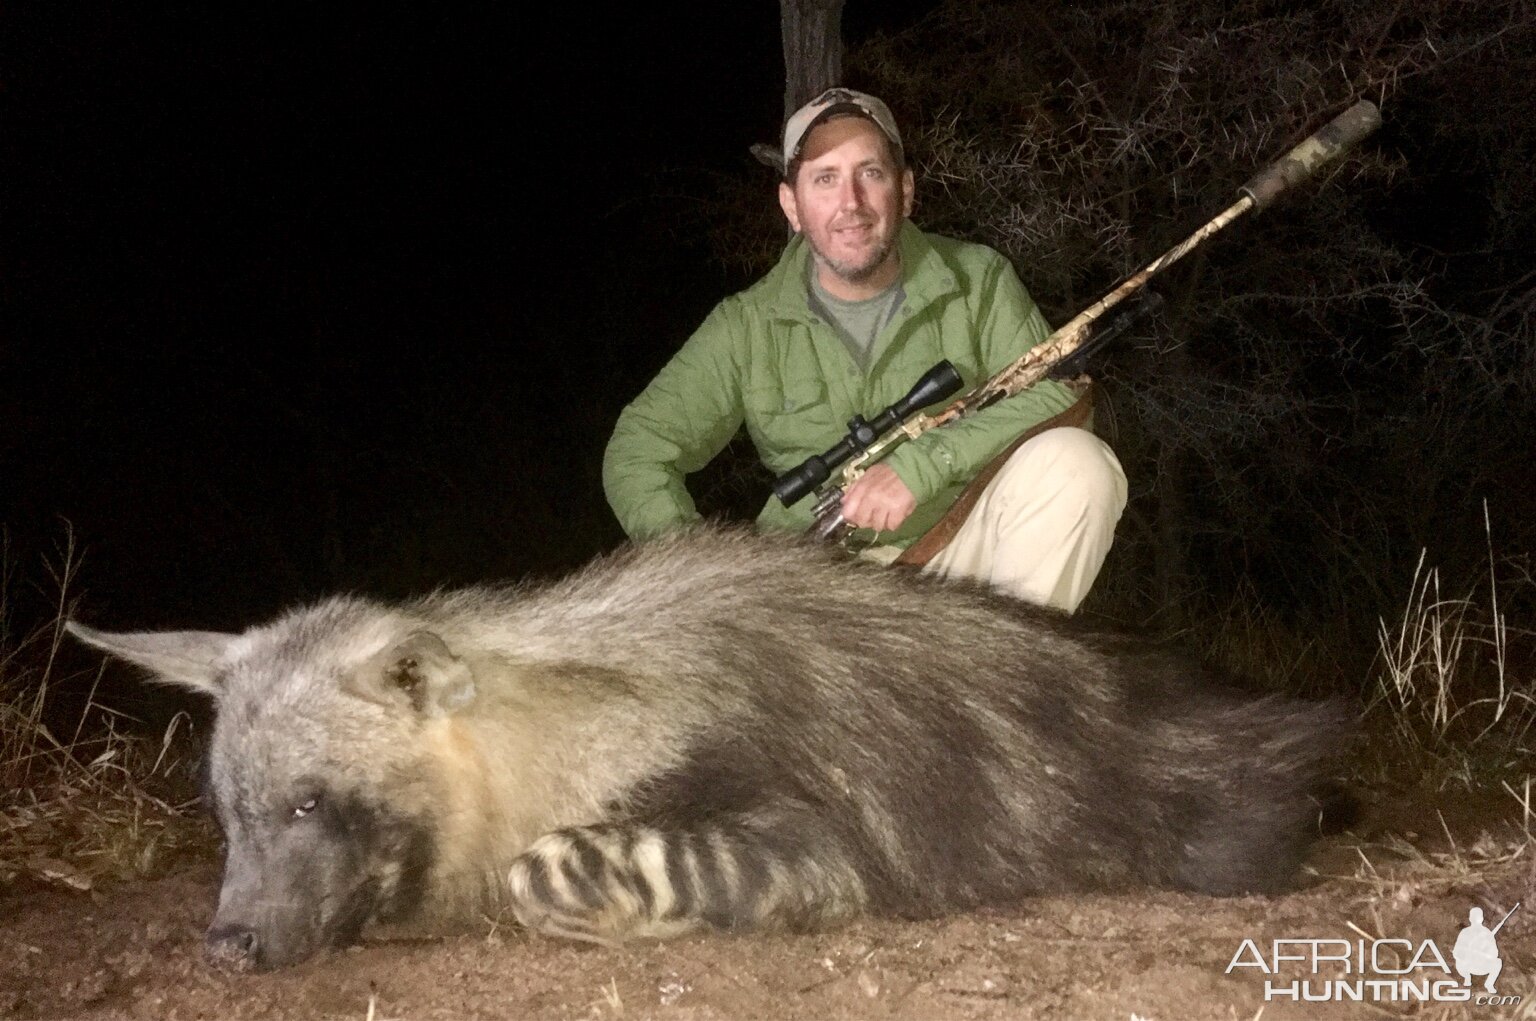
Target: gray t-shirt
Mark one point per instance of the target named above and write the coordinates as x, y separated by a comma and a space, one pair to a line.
857, 323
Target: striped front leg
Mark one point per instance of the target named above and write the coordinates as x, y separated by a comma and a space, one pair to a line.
612, 882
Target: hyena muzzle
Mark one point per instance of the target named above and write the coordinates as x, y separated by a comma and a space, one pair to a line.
719, 729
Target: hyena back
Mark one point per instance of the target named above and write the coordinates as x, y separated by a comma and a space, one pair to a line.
719, 729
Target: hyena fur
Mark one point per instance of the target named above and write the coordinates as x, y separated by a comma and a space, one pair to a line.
718, 729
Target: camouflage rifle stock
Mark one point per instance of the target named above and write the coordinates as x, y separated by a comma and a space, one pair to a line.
1335, 138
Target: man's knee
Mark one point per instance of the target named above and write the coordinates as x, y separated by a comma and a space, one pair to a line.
1069, 464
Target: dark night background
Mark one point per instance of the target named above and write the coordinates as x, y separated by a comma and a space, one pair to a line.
347, 296
317, 297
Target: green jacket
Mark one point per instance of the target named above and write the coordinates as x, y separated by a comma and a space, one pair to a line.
763, 360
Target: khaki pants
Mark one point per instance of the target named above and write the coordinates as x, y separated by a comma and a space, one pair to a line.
1041, 529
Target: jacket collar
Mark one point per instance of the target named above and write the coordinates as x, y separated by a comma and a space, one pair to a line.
924, 275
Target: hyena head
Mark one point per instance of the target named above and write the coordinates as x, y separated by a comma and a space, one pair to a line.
317, 770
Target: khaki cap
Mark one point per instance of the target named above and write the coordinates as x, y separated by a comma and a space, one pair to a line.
829, 104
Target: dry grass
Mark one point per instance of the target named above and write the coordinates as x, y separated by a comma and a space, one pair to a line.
104, 803
1451, 722
1447, 696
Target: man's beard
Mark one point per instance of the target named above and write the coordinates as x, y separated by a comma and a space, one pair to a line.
854, 273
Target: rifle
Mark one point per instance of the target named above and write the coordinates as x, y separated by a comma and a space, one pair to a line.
868, 442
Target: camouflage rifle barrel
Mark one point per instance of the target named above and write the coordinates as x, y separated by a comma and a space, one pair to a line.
1327, 143
1336, 137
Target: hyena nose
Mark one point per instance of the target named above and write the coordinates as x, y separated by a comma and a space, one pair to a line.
231, 946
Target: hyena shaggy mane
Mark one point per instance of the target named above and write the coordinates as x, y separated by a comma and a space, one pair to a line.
718, 729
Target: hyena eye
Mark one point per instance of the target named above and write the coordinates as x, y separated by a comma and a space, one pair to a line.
305, 807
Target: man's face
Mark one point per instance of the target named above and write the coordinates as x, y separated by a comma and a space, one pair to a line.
849, 200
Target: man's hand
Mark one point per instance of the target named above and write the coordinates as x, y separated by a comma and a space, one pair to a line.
878, 500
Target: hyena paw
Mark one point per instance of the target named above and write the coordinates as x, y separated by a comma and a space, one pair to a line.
608, 883
541, 919
587, 883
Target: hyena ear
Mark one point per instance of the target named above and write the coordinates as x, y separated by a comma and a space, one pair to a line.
186, 658
421, 672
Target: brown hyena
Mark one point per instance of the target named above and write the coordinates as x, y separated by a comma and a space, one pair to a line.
718, 729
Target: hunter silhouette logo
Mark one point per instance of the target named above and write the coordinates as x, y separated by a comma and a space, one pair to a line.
1477, 952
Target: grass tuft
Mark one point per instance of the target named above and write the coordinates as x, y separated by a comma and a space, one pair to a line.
105, 803
1446, 695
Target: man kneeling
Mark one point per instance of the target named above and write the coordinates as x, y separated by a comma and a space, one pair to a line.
860, 305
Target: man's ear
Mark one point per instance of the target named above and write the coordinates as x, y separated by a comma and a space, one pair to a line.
908, 190
790, 206
419, 672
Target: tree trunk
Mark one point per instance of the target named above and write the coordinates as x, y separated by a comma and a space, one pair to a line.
813, 49
812, 32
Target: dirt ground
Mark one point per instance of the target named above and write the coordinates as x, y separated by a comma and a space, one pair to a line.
133, 951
